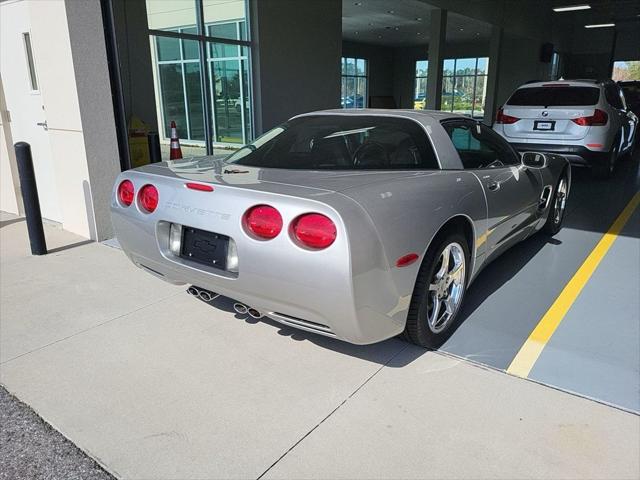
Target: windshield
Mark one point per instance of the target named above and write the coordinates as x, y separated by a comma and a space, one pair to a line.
559, 96
341, 142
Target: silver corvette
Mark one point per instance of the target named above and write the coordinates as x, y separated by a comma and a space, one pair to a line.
355, 224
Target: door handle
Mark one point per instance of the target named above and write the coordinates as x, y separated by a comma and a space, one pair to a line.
43, 125
493, 186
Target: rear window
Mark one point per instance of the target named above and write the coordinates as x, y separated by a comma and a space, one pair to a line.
555, 96
341, 142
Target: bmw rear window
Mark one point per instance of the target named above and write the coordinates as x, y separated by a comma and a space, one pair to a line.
559, 96
341, 142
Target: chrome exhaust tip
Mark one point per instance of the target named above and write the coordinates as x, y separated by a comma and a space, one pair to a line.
193, 291
253, 313
240, 308
206, 296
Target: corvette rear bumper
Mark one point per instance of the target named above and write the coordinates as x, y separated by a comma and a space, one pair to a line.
314, 291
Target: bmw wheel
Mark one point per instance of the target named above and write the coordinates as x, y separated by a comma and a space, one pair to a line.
439, 291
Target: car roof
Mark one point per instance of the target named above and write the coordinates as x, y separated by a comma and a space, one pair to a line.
581, 82
426, 117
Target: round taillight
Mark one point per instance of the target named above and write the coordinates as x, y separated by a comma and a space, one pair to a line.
126, 192
264, 221
314, 230
148, 198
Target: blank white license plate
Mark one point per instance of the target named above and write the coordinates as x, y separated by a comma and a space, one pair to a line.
544, 125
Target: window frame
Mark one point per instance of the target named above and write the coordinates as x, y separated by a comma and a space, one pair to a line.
355, 77
32, 76
207, 74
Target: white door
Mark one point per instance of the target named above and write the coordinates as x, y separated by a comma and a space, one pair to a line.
19, 69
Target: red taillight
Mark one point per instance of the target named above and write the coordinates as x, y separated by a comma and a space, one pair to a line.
314, 230
505, 119
126, 192
263, 221
598, 118
148, 198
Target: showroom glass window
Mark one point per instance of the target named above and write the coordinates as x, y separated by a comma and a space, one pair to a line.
464, 85
354, 83
626, 70
420, 96
201, 50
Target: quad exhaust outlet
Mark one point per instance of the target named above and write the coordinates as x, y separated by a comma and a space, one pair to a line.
202, 294
242, 309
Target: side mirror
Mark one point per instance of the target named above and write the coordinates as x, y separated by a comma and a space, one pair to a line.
534, 160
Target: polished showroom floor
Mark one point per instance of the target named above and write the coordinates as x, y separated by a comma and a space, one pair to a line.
595, 350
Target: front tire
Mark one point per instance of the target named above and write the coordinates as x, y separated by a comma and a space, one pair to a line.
557, 207
439, 291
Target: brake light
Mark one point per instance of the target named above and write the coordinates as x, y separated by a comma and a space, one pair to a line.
314, 230
199, 186
505, 119
263, 221
126, 192
598, 118
148, 198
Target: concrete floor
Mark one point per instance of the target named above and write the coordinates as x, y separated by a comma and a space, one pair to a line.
155, 384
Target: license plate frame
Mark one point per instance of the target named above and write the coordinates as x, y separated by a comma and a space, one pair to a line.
544, 125
204, 247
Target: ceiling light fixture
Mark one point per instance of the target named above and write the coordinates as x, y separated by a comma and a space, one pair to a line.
396, 28
600, 25
391, 12
418, 19
358, 4
571, 8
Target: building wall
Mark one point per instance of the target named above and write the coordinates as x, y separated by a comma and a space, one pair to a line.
298, 46
75, 95
519, 63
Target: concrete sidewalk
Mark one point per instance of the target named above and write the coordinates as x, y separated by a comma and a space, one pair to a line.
155, 384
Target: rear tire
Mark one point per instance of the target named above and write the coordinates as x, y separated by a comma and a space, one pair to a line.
557, 207
439, 291
604, 170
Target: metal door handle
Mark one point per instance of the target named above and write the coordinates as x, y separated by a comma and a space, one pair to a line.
493, 186
43, 125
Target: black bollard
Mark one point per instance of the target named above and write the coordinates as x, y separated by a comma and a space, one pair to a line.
155, 155
30, 198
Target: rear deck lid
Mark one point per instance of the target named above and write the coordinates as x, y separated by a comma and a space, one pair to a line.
545, 112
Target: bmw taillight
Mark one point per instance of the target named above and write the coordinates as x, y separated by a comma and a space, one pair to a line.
126, 192
148, 198
505, 119
314, 230
263, 221
598, 119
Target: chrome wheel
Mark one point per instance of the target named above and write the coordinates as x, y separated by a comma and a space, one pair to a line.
560, 201
446, 287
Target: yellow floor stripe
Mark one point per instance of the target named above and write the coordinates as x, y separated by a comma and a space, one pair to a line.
532, 348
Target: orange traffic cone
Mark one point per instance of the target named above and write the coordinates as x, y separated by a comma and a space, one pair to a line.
175, 151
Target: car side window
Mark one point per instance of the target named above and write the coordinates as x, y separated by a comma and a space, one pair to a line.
613, 96
480, 147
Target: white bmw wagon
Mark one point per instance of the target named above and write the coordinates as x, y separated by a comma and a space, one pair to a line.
586, 121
